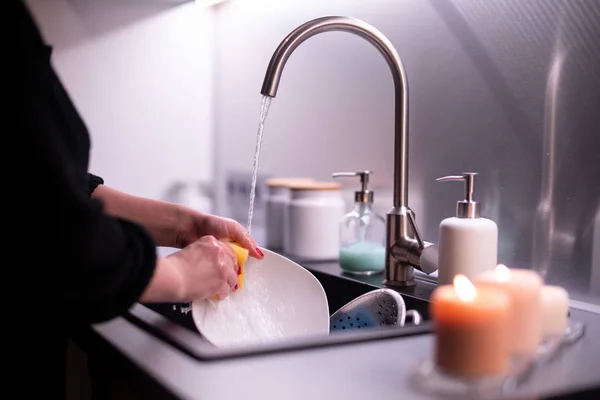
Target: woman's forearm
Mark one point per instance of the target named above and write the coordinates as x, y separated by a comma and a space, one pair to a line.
166, 285
160, 218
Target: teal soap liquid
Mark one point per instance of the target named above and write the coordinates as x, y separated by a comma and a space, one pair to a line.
362, 258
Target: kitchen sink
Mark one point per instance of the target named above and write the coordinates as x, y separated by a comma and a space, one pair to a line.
176, 327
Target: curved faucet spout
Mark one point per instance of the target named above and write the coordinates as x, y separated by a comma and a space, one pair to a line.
403, 251
386, 48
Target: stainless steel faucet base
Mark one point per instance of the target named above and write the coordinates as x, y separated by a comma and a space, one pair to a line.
400, 283
398, 269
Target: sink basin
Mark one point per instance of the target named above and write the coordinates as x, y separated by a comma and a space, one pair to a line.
172, 325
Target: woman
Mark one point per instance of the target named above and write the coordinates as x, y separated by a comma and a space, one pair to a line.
102, 241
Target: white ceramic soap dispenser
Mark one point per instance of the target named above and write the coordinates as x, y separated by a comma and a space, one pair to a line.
468, 243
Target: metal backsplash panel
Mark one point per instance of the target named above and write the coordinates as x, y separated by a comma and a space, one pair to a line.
542, 175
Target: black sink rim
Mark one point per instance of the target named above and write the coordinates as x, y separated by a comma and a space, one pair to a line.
193, 345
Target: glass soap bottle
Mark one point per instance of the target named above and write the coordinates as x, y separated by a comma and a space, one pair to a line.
362, 232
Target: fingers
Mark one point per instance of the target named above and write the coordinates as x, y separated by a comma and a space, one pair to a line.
230, 255
231, 277
231, 230
228, 279
237, 233
230, 285
224, 291
256, 253
229, 265
225, 262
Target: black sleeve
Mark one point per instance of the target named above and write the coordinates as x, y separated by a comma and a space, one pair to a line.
93, 182
105, 263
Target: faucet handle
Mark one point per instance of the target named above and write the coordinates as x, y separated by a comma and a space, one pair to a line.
413, 225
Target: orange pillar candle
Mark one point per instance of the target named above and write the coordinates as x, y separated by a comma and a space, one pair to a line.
524, 289
471, 328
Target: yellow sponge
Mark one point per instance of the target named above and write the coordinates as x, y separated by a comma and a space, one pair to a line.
242, 256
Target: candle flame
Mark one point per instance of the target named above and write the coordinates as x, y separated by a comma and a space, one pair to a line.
465, 290
502, 273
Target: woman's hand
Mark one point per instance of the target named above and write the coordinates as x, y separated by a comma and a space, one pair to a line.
204, 268
197, 225
208, 267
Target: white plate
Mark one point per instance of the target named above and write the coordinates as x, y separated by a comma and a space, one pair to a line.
280, 300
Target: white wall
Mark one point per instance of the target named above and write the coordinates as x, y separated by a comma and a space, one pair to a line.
140, 73
334, 108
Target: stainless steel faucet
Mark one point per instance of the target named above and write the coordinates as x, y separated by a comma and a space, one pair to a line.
405, 249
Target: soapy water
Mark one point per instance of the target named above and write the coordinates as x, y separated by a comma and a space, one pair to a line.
246, 317
264, 110
249, 316
184, 309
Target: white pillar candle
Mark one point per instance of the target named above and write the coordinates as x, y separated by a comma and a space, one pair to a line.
555, 310
524, 290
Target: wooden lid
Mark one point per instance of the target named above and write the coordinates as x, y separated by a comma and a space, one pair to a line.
286, 182
315, 185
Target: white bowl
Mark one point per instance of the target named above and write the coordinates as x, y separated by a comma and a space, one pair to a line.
280, 300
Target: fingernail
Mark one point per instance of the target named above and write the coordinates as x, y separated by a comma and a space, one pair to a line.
239, 271
235, 287
259, 252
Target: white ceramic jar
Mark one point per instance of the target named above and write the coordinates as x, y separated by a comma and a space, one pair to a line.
311, 222
276, 201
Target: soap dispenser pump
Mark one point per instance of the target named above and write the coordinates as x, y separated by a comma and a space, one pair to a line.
362, 232
468, 243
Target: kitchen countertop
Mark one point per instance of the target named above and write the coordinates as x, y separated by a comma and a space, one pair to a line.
380, 369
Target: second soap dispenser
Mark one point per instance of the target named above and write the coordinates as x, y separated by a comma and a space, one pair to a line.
362, 232
468, 243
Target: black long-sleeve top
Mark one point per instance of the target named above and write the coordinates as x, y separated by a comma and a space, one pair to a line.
96, 266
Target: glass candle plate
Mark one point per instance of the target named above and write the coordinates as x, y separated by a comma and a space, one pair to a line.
550, 346
428, 378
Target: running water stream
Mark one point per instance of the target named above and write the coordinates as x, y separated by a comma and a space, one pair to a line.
264, 110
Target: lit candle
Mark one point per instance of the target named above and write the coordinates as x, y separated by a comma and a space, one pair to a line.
471, 329
524, 289
555, 311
